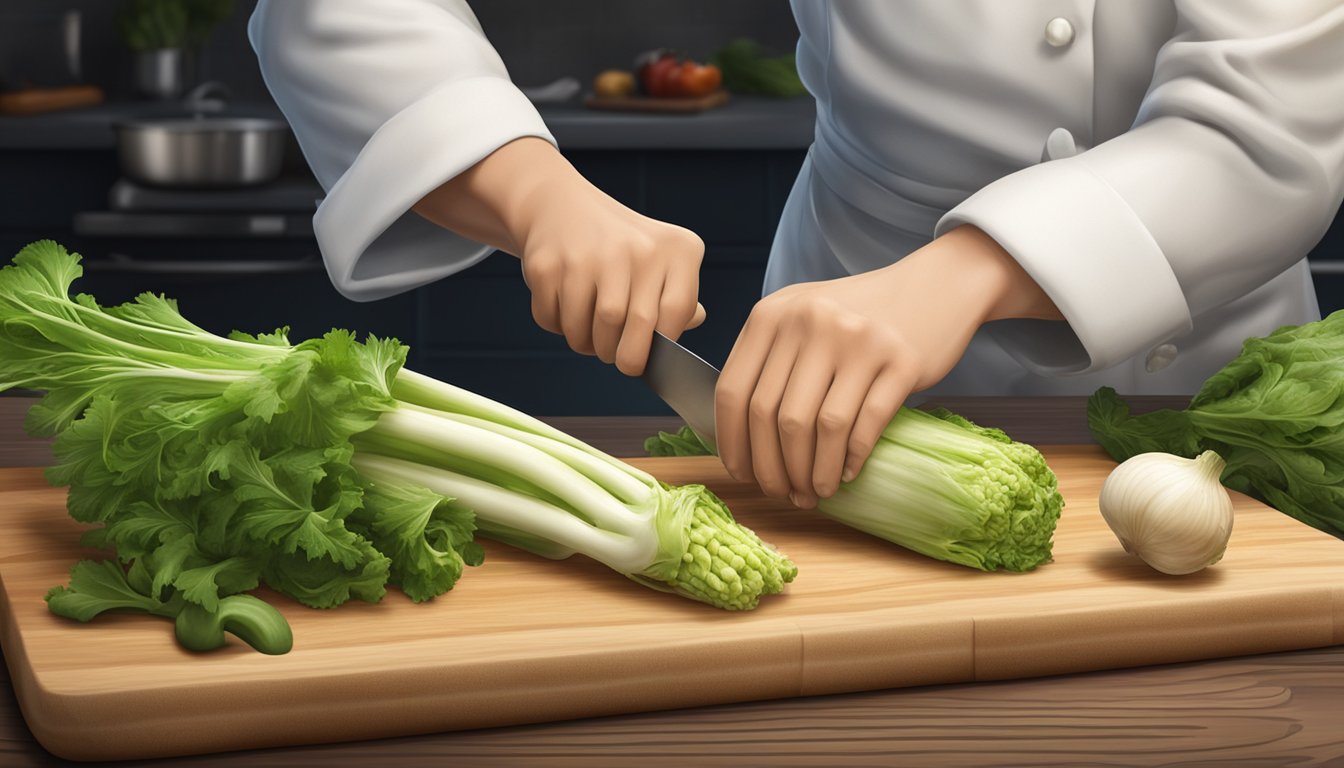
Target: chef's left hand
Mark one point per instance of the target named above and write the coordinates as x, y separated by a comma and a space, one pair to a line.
821, 368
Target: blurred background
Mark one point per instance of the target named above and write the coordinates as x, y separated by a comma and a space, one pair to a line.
89, 89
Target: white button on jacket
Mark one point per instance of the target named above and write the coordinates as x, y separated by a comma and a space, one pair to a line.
1058, 32
1160, 167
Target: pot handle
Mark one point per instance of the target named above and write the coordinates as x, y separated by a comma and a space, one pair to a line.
199, 101
120, 262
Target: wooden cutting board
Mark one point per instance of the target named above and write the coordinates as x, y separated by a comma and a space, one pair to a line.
33, 101
523, 639
689, 105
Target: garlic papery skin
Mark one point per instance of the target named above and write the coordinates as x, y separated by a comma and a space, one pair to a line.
1169, 511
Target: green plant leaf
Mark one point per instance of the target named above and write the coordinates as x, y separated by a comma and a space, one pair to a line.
96, 587
205, 585
1123, 435
683, 442
426, 535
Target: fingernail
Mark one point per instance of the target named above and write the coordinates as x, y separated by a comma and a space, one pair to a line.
848, 474
793, 499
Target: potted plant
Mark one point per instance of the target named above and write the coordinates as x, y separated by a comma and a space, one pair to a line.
161, 34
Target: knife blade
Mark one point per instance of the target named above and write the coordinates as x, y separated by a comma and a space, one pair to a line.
686, 382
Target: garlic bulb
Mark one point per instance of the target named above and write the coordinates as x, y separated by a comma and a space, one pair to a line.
1169, 511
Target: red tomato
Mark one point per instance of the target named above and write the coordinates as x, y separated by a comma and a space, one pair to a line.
654, 76
694, 79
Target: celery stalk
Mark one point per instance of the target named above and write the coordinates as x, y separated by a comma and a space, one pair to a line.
323, 469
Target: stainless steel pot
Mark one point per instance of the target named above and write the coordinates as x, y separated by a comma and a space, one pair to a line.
202, 151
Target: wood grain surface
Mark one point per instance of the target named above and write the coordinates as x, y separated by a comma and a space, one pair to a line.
529, 640
688, 105
32, 101
1266, 710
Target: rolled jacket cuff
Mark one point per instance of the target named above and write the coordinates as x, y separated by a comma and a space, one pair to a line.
1091, 254
373, 245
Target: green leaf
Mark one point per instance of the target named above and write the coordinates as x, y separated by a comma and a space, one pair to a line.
1123, 435
275, 504
277, 338
96, 492
684, 442
318, 536
96, 587
324, 391
324, 584
993, 433
427, 537
259, 396
205, 585
172, 557
146, 527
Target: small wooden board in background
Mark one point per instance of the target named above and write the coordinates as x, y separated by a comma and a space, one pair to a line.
651, 104
33, 101
522, 639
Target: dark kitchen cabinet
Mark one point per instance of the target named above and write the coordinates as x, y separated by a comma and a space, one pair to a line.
41, 189
1327, 267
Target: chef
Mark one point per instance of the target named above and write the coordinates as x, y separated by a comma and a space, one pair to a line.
1035, 197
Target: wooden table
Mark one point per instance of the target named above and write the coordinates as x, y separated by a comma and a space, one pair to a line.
1278, 709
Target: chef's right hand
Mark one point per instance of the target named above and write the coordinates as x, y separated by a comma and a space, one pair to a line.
607, 277
602, 275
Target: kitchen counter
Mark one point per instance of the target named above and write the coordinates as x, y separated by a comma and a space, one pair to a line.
744, 123
1258, 710
91, 127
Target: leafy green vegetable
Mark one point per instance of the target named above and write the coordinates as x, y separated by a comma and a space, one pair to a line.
96, 587
947, 488
1275, 413
683, 442
748, 69
942, 486
322, 469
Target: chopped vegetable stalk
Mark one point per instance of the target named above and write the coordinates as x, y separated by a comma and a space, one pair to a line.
941, 486
323, 469
950, 489
542, 493
683, 442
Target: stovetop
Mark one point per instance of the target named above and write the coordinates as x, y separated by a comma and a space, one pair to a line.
297, 195
281, 209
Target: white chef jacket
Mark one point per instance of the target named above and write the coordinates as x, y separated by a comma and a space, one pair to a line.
1160, 167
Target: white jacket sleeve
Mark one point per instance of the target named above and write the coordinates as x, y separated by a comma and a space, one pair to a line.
388, 100
1233, 170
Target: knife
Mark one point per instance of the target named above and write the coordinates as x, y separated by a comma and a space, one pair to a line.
686, 382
